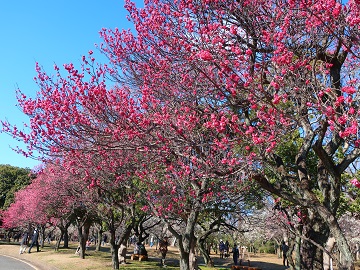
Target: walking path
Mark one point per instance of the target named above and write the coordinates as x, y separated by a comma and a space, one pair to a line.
32, 262
7, 263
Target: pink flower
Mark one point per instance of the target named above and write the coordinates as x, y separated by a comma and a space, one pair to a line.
348, 89
355, 182
249, 52
205, 55
276, 99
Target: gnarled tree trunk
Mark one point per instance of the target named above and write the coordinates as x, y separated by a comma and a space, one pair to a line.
83, 234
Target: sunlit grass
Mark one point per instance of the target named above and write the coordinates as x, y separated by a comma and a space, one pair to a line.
66, 259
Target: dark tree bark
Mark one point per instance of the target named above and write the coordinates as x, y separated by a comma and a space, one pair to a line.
83, 234
187, 242
312, 256
64, 235
99, 234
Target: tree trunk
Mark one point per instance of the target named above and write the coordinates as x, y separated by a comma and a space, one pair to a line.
291, 244
192, 257
66, 238
318, 231
346, 260
42, 236
310, 201
114, 250
82, 242
187, 242
57, 245
99, 237
204, 252
124, 236
297, 253
184, 260
83, 234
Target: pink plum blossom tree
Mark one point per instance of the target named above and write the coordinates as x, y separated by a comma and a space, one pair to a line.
260, 70
205, 93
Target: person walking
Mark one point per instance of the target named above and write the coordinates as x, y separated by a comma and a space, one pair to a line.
227, 246
34, 240
151, 241
24, 242
285, 249
104, 240
163, 249
236, 254
222, 248
87, 245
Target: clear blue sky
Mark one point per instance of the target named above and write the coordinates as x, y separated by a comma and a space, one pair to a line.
47, 32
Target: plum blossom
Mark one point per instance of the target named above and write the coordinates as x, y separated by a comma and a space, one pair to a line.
355, 182
205, 55
248, 52
348, 89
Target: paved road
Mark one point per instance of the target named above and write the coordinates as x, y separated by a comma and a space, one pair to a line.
10, 263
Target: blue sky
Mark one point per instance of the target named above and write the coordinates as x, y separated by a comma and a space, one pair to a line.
46, 32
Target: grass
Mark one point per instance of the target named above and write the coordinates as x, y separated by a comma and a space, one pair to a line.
65, 259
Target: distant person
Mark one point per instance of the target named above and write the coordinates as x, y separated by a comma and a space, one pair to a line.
227, 246
136, 248
163, 249
151, 241
35, 240
88, 243
285, 249
222, 248
24, 242
133, 240
236, 254
17, 237
104, 240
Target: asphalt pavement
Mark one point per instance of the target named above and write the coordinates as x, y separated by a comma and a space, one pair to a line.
10, 263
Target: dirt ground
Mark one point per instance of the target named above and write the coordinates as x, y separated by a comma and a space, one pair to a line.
263, 261
47, 259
